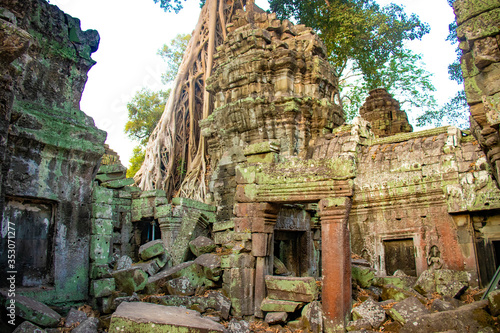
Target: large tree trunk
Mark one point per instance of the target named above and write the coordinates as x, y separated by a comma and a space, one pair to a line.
176, 159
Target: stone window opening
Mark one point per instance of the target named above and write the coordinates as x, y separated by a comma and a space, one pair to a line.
146, 230
399, 254
30, 225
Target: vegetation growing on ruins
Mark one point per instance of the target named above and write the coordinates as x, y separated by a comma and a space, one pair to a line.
146, 107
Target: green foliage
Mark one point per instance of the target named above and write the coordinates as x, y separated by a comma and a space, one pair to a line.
404, 76
136, 161
170, 5
144, 112
357, 30
173, 56
173, 5
454, 112
366, 45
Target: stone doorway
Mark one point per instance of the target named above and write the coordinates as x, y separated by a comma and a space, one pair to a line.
400, 255
294, 252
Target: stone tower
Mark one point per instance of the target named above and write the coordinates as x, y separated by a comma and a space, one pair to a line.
383, 112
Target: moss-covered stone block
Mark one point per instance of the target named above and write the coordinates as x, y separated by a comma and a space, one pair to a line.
198, 205
99, 271
162, 211
201, 245
483, 25
118, 183
102, 195
99, 248
102, 211
299, 289
363, 276
274, 305
102, 226
151, 249
111, 168
130, 280
466, 9
33, 311
102, 287
245, 174
222, 226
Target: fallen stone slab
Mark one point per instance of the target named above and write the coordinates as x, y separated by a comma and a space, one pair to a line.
442, 281
470, 318
180, 286
453, 289
130, 280
403, 282
151, 249
33, 311
201, 245
273, 305
407, 310
494, 302
238, 326
27, 327
362, 275
158, 282
151, 267
438, 305
298, 289
88, 326
276, 318
74, 317
147, 317
211, 264
118, 183
399, 294
371, 311
360, 325
124, 262
312, 317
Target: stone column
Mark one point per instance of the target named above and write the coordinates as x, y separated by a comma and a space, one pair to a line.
259, 218
336, 261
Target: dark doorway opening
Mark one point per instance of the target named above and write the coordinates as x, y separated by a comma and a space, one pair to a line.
400, 255
290, 248
28, 230
293, 248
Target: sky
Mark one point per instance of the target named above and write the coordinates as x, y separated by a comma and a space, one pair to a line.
132, 31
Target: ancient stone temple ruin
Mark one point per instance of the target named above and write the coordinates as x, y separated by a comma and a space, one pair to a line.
308, 223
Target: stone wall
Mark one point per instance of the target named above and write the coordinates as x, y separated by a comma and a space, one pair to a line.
479, 34
52, 149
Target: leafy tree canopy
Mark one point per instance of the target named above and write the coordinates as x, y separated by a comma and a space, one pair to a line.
172, 54
357, 30
170, 5
144, 112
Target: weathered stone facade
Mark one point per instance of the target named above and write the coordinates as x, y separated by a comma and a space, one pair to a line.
49, 150
292, 190
479, 34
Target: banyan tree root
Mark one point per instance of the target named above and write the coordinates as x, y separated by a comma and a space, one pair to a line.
176, 159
